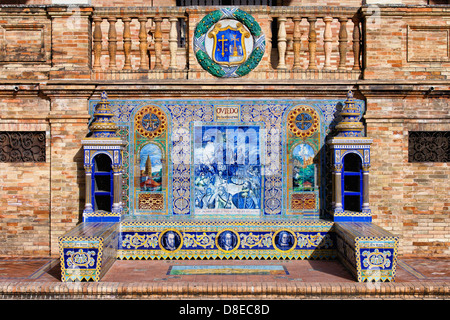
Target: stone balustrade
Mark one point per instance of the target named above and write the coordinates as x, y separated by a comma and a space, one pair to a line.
137, 40
318, 40
302, 43
156, 43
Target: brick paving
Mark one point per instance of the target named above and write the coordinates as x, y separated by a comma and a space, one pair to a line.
39, 278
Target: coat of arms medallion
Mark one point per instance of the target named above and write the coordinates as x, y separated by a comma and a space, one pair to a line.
229, 43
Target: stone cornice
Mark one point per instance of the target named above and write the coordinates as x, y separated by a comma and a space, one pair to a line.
404, 10
70, 89
405, 88
200, 88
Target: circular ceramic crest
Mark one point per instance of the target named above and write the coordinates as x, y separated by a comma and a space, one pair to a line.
284, 241
170, 240
150, 121
229, 43
227, 240
303, 121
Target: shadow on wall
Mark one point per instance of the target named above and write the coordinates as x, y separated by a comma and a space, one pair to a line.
81, 181
438, 2
15, 2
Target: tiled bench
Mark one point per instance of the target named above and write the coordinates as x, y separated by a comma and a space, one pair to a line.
88, 251
192, 238
368, 251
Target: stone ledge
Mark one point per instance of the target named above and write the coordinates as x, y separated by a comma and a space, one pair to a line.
259, 290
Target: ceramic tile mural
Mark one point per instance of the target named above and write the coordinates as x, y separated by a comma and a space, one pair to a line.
227, 169
224, 158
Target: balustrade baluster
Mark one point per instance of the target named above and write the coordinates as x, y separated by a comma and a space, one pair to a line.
127, 43
280, 35
312, 38
327, 37
143, 43
97, 43
173, 42
282, 43
269, 42
297, 42
342, 43
158, 43
112, 43
356, 44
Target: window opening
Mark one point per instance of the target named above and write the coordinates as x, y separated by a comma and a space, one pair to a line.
102, 183
352, 183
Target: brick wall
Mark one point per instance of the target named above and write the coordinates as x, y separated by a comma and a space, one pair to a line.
399, 41
25, 50
41, 201
25, 187
68, 122
410, 199
70, 43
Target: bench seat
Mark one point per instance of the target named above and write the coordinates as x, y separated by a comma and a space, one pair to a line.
203, 238
367, 250
88, 251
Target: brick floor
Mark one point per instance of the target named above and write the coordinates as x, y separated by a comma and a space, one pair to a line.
39, 278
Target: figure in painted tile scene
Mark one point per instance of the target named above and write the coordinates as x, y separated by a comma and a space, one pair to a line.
245, 199
223, 198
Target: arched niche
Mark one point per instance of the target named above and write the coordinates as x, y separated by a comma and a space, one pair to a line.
352, 182
302, 171
151, 151
102, 182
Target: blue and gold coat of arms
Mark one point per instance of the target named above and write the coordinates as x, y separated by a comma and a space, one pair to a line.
228, 43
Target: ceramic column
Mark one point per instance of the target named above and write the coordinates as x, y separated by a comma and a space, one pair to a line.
88, 204
117, 206
337, 188
365, 206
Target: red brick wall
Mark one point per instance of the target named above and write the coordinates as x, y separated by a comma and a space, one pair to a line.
407, 43
409, 199
67, 173
25, 187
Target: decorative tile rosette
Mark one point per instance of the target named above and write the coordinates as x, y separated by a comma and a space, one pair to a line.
303, 121
150, 121
231, 22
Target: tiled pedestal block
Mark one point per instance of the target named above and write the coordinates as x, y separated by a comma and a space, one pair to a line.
88, 251
367, 250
